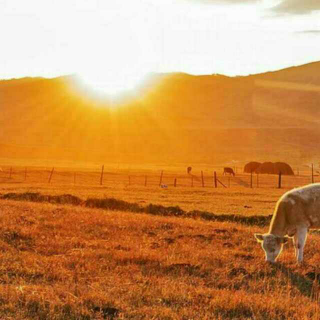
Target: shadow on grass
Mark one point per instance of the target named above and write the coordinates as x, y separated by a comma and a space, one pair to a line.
153, 209
241, 182
304, 284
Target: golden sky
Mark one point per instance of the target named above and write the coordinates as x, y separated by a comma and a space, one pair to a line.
113, 44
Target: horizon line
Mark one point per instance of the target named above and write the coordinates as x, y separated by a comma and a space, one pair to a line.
166, 73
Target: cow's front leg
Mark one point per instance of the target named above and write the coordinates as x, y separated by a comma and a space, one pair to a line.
299, 241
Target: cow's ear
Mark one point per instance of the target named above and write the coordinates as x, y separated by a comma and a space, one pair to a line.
259, 237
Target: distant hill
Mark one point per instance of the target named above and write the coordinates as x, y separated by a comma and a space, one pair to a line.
305, 74
175, 118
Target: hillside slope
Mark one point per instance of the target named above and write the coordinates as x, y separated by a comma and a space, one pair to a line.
177, 118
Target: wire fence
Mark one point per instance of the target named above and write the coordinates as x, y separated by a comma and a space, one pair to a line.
212, 178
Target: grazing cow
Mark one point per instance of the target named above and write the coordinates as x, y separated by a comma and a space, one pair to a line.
228, 170
296, 211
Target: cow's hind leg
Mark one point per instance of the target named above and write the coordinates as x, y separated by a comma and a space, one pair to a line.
299, 241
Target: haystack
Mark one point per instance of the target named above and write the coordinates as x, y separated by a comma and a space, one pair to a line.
251, 166
267, 167
284, 168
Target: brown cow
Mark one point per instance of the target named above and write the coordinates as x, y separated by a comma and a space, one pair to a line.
228, 170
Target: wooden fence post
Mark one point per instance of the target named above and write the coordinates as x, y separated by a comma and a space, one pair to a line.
50, 177
279, 183
101, 176
145, 181
215, 179
161, 175
202, 179
175, 182
251, 179
312, 178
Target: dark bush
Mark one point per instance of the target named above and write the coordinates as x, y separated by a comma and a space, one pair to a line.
113, 204
37, 197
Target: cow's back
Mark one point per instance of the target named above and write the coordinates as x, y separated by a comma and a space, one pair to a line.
305, 205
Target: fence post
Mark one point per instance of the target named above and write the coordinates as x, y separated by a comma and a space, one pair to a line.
161, 178
202, 179
279, 183
145, 181
251, 179
312, 178
175, 182
50, 177
215, 179
101, 176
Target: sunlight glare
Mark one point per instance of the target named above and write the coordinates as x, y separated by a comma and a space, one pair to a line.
111, 84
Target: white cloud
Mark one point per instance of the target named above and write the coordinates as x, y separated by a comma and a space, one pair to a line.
297, 6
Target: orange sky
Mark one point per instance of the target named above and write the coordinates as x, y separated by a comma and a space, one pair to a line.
112, 45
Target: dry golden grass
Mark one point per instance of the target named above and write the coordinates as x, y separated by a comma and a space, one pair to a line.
64, 262
72, 262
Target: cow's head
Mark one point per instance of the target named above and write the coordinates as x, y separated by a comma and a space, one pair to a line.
271, 244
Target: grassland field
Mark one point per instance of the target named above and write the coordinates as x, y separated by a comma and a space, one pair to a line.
73, 262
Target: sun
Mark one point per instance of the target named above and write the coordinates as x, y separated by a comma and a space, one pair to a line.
111, 84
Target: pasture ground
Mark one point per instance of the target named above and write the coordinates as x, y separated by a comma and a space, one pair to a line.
72, 262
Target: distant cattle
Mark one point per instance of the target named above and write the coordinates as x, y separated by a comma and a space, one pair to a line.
228, 170
189, 170
296, 211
